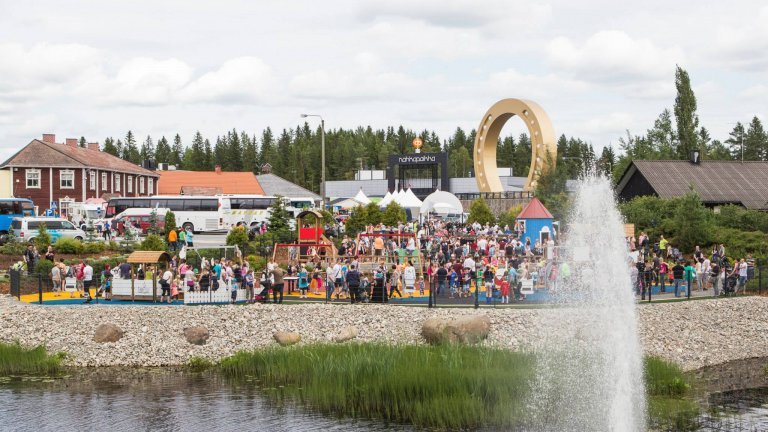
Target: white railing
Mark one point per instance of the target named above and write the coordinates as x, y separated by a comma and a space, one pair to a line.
222, 295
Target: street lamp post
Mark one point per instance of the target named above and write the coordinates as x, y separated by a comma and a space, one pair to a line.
322, 156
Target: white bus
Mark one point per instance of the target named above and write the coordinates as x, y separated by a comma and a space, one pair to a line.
254, 209
200, 213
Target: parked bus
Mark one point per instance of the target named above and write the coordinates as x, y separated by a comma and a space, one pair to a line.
254, 209
13, 208
199, 213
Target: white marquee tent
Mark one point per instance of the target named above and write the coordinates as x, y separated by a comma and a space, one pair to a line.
441, 202
361, 198
410, 200
386, 200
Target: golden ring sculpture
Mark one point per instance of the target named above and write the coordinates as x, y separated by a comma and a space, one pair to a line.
542, 142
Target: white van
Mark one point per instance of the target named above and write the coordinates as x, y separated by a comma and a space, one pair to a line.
26, 228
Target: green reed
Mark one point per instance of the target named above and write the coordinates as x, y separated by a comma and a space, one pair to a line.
18, 360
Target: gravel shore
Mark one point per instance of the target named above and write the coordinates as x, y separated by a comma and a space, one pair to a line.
692, 334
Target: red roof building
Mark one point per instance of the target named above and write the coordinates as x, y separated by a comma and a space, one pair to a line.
50, 174
535, 210
179, 182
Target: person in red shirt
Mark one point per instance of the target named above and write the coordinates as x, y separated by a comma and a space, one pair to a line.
504, 290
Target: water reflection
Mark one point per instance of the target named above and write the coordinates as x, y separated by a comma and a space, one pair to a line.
135, 400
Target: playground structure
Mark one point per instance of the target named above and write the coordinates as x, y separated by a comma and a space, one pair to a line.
399, 256
311, 241
142, 289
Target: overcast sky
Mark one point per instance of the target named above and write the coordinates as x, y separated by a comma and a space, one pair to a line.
598, 67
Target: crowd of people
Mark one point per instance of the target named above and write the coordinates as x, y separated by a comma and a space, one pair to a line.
662, 264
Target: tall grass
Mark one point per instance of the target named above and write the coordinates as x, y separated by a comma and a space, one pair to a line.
443, 387
17, 360
670, 405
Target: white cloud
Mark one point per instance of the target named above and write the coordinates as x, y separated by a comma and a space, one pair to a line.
744, 44
40, 69
755, 91
239, 80
534, 86
363, 78
139, 81
614, 57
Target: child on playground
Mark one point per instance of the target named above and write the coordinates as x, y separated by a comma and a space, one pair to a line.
303, 282
175, 287
504, 290
421, 285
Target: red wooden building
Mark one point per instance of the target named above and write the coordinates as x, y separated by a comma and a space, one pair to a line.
48, 172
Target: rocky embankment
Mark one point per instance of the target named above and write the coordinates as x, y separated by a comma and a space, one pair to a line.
693, 334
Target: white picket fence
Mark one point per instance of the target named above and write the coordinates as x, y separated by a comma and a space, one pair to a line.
222, 295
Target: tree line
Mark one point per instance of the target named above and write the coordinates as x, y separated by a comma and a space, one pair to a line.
294, 153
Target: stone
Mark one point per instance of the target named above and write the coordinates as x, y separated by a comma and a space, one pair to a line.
468, 330
285, 338
107, 333
347, 333
196, 335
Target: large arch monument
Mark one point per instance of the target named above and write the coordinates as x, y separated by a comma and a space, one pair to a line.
542, 142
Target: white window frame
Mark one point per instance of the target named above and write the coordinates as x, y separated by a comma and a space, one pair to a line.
27, 178
129, 184
116, 184
92, 180
141, 185
150, 186
67, 172
104, 183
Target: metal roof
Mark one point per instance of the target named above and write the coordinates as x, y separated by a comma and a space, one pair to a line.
716, 182
276, 185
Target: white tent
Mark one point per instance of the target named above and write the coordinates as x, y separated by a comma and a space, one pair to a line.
361, 198
410, 200
386, 200
441, 202
398, 195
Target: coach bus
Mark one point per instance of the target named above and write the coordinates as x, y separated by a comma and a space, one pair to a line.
13, 208
198, 213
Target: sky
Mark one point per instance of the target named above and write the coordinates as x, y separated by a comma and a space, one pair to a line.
97, 69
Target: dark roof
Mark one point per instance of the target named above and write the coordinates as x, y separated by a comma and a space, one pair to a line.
535, 210
39, 154
716, 182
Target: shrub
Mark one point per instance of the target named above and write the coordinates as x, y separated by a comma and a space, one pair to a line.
393, 214
13, 248
44, 267
480, 212
68, 246
93, 248
170, 223
153, 242
237, 237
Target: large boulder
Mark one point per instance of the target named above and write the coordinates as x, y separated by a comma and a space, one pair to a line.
108, 333
347, 333
468, 330
285, 338
197, 335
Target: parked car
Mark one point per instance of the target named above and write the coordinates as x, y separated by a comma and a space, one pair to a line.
26, 228
139, 218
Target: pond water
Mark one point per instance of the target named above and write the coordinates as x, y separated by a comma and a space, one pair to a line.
117, 399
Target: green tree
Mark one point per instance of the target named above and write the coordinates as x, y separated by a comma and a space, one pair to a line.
83, 143
480, 212
756, 141
691, 222
177, 152
170, 223
393, 214
43, 238
735, 140
357, 221
508, 217
278, 216
234, 152
685, 114
372, 214
250, 153
163, 151
130, 151
109, 147
147, 149
196, 154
